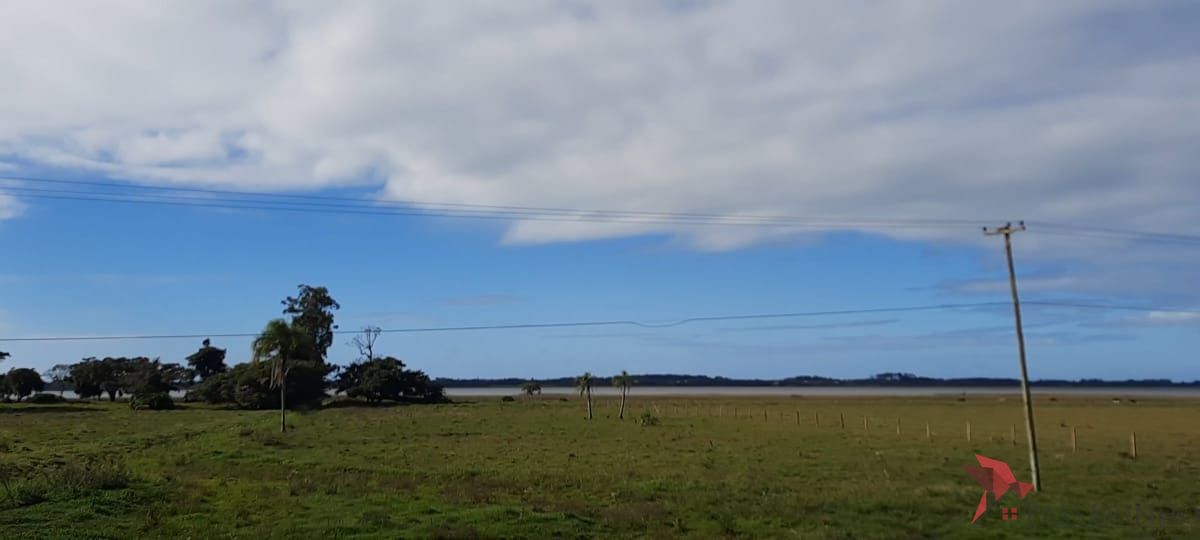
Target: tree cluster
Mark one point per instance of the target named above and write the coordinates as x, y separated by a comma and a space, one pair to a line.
116, 377
288, 369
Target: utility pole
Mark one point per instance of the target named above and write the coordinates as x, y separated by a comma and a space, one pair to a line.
1007, 230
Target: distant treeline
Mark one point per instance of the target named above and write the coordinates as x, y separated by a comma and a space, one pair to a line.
882, 379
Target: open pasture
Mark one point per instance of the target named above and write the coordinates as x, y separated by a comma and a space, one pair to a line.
536, 468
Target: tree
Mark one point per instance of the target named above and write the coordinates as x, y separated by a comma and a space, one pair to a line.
93, 377
178, 377
623, 381
584, 384
4, 356
23, 382
373, 380
145, 376
60, 375
531, 387
142, 376
207, 361
312, 313
365, 342
386, 379
418, 386
280, 342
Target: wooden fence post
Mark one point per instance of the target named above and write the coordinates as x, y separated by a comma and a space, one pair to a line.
1133, 445
1012, 433
797, 417
1074, 441
866, 428
928, 433
842, 420
897, 425
968, 431
818, 415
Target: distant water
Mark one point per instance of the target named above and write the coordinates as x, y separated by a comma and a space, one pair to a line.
836, 391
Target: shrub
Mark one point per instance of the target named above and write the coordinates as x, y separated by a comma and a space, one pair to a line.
46, 399
248, 386
508, 398
158, 401
647, 419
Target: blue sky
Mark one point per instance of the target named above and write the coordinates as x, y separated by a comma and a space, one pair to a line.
108, 269
1079, 113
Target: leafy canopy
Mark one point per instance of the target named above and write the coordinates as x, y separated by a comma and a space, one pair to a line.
311, 312
386, 379
207, 361
23, 382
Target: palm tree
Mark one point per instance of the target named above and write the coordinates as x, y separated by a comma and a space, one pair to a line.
278, 343
623, 381
584, 384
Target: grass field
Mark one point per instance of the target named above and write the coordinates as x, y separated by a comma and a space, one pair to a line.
537, 469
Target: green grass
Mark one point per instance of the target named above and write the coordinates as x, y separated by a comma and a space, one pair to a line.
537, 469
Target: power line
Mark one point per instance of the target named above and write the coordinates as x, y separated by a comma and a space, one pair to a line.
417, 212
1059, 229
522, 326
488, 207
353, 205
1110, 307
1120, 232
129, 193
640, 324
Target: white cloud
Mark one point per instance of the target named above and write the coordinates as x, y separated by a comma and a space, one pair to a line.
1172, 317
1024, 109
10, 207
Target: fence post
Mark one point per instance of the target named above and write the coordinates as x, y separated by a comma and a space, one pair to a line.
897, 425
842, 420
1012, 433
928, 434
968, 431
1074, 442
797, 417
1133, 445
866, 428
818, 415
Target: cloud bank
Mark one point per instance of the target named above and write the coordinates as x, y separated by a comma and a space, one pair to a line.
1072, 111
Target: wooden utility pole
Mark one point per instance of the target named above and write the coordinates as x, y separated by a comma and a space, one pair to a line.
1007, 230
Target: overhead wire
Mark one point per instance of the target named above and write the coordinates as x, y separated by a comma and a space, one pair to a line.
640, 324
133, 193
130, 193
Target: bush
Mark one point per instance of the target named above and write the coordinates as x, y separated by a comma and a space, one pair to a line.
46, 399
647, 419
158, 401
508, 398
248, 386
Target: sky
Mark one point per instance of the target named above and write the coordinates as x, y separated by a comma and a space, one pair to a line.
861, 116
